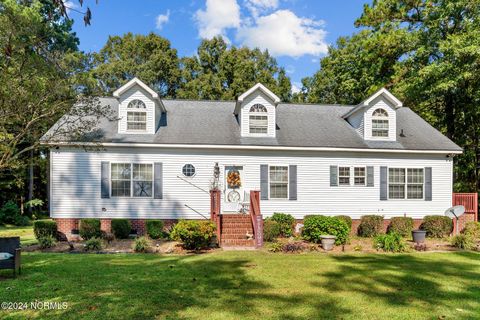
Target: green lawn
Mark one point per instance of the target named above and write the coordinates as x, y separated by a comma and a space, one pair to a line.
25, 233
249, 284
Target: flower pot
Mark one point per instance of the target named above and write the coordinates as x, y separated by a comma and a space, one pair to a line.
328, 242
419, 236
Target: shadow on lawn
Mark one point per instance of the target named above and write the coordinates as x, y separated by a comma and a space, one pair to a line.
149, 286
400, 280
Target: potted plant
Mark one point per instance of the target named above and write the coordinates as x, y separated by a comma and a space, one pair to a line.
327, 242
419, 236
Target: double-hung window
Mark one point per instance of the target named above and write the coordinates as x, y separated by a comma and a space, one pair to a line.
279, 182
136, 116
343, 176
405, 183
380, 123
258, 117
131, 179
359, 176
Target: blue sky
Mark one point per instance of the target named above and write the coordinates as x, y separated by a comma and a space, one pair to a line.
296, 32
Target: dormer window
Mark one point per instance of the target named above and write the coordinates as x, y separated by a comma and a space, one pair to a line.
137, 118
258, 117
380, 123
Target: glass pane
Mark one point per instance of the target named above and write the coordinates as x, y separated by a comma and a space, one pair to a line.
415, 192
142, 189
278, 174
415, 176
396, 175
359, 181
396, 191
258, 124
142, 171
120, 188
278, 190
121, 171
188, 170
344, 181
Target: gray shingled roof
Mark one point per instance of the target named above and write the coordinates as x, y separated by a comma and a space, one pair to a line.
298, 125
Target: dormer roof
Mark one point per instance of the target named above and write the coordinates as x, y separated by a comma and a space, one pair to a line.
135, 81
275, 99
365, 103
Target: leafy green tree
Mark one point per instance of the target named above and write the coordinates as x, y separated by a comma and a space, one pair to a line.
427, 52
221, 72
150, 58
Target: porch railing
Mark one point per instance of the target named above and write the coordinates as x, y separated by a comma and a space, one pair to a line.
256, 216
215, 211
469, 201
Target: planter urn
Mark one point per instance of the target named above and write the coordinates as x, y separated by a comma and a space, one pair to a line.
327, 242
419, 236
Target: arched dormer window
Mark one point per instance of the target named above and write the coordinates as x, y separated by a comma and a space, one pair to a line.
137, 120
258, 119
380, 123
136, 104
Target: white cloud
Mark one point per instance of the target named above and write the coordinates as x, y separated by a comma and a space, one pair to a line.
162, 19
290, 69
218, 16
296, 87
259, 6
285, 34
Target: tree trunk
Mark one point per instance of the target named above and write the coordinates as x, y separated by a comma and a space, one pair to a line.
30, 181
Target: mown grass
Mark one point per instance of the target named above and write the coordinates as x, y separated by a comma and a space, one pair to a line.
25, 233
248, 285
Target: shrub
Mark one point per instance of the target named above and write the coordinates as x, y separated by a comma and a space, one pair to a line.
347, 219
437, 226
271, 230
295, 246
275, 247
401, 225
46, 241
286, 222
154, 228
21, 221
391, 242
472, 229
370, 226
121, 228
193, 234
43, 228
463, 241
93, 244
8, 212
316, 226
90, 228
141, 244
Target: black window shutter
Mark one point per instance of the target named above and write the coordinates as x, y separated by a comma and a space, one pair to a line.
264, 181
292, 182
370, 177
428, 184
333, 176
158, 180
383, 183
105, 180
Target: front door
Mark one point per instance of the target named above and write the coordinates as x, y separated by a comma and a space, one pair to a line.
234, 186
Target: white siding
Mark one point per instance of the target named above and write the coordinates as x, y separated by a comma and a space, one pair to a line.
76, 183
392, 120
356, 120
131, 94
260, 98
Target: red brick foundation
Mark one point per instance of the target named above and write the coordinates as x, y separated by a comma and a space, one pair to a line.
106, 225
462, 221
65, 227
139, 226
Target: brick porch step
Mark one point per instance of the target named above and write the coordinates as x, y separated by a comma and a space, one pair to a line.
237, 230
236, 225
234, 236
238, 242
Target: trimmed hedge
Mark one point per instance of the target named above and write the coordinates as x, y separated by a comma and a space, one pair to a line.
286, 222
271, 230
315, 226
347, 219
370, 226
90, 228
44, 228
437, 226
401, 225
154, 228
121, 228
194, 234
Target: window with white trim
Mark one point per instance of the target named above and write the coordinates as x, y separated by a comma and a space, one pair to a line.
258, 118
136, 104
127, 179
343, 176
405, 183
380, 123
136, 121
188, 170
359, 176
278, 182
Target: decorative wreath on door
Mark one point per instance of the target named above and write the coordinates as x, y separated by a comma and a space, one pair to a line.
233, 179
